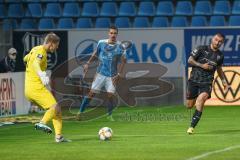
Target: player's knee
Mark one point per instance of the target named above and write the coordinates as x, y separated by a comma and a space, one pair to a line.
57, 109
203, 97
110, 95
90, 95
189, 104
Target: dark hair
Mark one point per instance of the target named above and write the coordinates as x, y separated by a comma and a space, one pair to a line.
113, 27
51, 37
220, 35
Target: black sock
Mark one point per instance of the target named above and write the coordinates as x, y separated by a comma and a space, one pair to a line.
196, 117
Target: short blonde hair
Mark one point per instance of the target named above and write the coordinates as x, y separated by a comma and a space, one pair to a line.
51, 37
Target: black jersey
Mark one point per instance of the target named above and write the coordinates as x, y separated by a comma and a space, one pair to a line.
204, 54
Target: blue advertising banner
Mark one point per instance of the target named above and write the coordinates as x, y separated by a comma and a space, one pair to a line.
230, 48
156, 46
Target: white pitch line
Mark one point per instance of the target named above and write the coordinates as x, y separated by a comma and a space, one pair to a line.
139, 135
214, 152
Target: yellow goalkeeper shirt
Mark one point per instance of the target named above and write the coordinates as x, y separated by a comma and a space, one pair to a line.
36, 58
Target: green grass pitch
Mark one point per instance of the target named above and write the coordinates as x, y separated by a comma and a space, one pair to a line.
141, 133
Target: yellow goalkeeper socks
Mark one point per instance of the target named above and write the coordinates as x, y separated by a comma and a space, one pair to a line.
57, 124
57, 120
50, 113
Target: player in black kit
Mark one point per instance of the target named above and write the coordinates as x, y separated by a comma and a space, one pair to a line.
205, 60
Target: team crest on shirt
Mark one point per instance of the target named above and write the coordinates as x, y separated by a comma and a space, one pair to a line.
40, 56
194, 51
206, 52
31, 40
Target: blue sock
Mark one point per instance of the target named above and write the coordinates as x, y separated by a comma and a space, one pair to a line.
110, 107
84, 103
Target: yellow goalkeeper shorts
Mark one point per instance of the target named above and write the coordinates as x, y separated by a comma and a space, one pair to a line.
42, 97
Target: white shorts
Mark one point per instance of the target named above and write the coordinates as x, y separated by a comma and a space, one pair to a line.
101, 81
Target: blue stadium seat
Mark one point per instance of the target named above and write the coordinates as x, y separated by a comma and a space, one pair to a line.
84, 23
65, 23
146, 9
184, 8
90, 9
32, 1
13, 1
27, 13
217, 21
67, 0
234, 20
15, 10
203, 8
28, 24
165, 8
122, 22
49, 0
2, 11
46, 23
53, 10
35, 10
160, 22
179, 21
222, 8
109, 9
10, 24
71, 10
236, 7
198, 21
102, 22
141, 22
127, 9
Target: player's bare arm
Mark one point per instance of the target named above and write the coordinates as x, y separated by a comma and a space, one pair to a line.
193, 62
222, 77
120, 70
92, 58
122, 64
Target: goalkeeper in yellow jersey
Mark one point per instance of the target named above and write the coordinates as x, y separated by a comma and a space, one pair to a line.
36, 80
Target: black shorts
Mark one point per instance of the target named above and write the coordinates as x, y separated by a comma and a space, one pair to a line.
194, 89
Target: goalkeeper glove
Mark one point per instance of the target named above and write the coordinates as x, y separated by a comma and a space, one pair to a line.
44, 78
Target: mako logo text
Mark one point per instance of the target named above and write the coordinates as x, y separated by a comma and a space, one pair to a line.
142, 53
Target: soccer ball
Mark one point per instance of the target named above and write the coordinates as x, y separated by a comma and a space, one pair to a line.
105, 133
